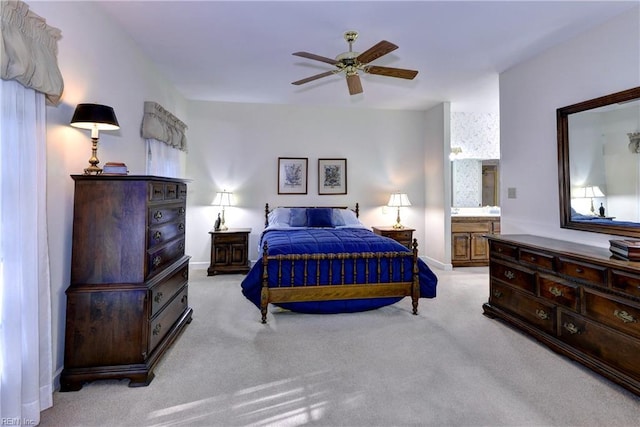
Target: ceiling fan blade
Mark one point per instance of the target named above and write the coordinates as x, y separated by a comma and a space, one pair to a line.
376, 52
312, 78
316, 57
391, 72
354, 85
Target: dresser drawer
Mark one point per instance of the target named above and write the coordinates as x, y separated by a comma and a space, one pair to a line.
608, 310
182, 192
166, 213
171, 191
537, 259
239, 238
164, 291
156, 191
615, 349
470, 227
167, 191
531, 309
515, 276
503, 249
625, 282
162, 323
402, 235
163, 233
164, 256
582, 271
561, 293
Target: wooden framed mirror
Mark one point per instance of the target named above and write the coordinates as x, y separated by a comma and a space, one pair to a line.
599, 164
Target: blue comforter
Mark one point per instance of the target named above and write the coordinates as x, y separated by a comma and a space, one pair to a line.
333, 240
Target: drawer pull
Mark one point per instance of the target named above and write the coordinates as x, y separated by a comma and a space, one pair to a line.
532, 258
157, 260
157, 235
555, 291
183, 300
497, 294
571, 328
624, 316
156, 329
542, 314
579, 270
500, 250
181, 210
181, 246
181, 227
157, 216
185, 273
158, 297
509, 274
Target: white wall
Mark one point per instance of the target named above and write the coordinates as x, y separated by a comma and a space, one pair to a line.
236, 147
437, 219
598, 62
98, 64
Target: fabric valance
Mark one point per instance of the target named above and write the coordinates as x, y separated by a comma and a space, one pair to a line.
29, 50
158, 123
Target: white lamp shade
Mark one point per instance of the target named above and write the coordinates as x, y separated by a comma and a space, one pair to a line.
399, 200
223, 198
587, 192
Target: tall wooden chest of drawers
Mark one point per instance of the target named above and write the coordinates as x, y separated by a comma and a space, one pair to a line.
128, 297
576, 299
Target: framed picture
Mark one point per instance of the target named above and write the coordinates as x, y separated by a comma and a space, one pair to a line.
332, 176
292, 175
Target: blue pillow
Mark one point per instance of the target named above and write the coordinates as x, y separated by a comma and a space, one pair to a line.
298, 217
320, 217
338, 220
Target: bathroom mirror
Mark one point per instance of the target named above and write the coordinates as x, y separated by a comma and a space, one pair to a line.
474, 183
599, 164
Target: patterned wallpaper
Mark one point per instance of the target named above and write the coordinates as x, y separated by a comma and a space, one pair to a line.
478, 134
467, 181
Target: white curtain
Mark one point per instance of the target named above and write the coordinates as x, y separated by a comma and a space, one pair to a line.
25, 301
30, 77
163, 160
166, 141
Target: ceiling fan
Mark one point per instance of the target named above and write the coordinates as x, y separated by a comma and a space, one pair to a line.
351, 62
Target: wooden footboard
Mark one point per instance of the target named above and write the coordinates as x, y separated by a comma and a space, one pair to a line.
305, 289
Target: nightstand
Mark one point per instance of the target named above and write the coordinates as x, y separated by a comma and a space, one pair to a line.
229, 251
401, 235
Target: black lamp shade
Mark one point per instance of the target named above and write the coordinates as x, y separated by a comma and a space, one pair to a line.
88, 116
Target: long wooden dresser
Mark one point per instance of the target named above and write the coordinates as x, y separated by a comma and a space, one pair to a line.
576, 299
128, 298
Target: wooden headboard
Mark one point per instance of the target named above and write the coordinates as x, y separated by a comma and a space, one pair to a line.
267, 210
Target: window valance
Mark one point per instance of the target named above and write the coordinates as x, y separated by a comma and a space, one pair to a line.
29, 50
158, 123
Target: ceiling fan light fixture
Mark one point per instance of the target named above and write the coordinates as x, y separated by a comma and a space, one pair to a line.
350, 62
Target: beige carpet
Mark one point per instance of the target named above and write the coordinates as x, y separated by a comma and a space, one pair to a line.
448, 366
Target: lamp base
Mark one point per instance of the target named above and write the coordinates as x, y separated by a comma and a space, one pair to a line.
93, 160
93, 170
397, 225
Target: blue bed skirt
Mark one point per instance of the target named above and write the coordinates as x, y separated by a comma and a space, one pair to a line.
333, 240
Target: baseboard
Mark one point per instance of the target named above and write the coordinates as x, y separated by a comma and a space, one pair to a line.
199, 265
437, 264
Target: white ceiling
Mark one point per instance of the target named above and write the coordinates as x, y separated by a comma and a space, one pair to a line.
241, 51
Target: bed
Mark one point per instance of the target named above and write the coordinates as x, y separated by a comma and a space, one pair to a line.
324, 260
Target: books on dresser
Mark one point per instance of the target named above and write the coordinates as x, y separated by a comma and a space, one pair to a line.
625, 249
113, 168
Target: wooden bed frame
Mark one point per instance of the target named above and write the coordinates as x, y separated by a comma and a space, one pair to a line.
380, 287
